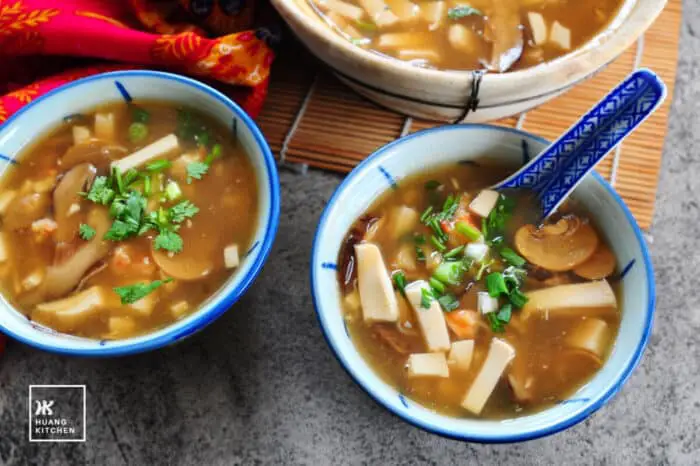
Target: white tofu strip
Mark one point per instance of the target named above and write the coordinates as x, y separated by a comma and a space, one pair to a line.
231, 258
404, 40
486, 303
571, 299
560, 35
6, 199
590, 335
379, 12
537, 27
434, 13
463, 39
461, 354
376, 291
104, 126
499, 356
406, 10
403, 220
80, 134
484, 202
419, 54
427, 365
163, 147
346, 10
4, 249
145, 305
431, 321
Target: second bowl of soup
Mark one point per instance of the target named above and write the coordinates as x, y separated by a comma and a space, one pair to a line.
132, 215
453, 309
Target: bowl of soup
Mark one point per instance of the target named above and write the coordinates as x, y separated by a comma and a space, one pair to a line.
452, 306
136, 208
454, 59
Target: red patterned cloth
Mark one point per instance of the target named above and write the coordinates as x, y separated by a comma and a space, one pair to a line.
112, 30
47, 43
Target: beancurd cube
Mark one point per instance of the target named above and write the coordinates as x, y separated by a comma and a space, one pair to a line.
120, 327
486, 303
379, 12
499, 356
560, 36
463, 39
376, 291
406, 10
179, 309
430, 55
403, 40
434, 13
33, 280
104, 126
5, 199
81, 134
427, 365
231, 259
484, 202
145, 305
346, 10
476, 251
591, 335
461, 353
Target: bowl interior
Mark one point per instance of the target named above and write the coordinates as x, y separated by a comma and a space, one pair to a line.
494, 145
46, 113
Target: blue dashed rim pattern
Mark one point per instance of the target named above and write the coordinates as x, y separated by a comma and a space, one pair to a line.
221, 303
565, 423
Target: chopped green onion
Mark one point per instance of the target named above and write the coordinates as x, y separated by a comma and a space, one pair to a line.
419, 238
517, 298
512, 257
172, 190
482, 269
426, 213
400, 281
147, 185
431, 185
468, 231
437, 285
159, 165
438, 244
496, 285
426, 298
449, 203
505, 313
130, 176
449, 302
454, 252
496, 325
366, 26
139, 115
117, 175
202, 138
463, 11
449, 273
420, 255
214, 154
137, 132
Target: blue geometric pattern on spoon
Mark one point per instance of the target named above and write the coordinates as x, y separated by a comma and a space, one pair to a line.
556, 171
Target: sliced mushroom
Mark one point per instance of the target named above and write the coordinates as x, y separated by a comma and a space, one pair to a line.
507, 33
557, 247
65, 276
600, 265
95, 151
25, 210
67, 194
184, 265
65, 314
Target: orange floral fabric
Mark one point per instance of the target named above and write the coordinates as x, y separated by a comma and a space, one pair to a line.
137, 33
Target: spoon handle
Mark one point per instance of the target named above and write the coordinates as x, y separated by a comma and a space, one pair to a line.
556, 171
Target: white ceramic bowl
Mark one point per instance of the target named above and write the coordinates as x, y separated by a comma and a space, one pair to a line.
47, 112
451, 144
442, 95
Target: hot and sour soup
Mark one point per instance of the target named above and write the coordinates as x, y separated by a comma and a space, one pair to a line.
451, 296
125, 219
496, 35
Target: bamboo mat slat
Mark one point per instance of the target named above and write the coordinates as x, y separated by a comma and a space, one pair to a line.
311, 118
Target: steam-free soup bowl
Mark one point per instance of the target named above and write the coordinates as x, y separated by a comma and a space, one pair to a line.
46, 113
482, 144
443, 95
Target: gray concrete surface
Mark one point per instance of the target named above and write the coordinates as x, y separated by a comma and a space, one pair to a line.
260, 386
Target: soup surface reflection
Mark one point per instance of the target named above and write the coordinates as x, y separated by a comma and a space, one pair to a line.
452, 297
124, 220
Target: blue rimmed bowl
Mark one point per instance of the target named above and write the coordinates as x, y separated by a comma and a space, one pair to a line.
47, 112
511, 148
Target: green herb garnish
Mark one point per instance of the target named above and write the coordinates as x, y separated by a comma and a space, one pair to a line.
400, 281
195, 170
496, 285
213, 154
159, 165
420, 255
426, 298
448, 302
511, 257
366, 26
131, 293
426, 214
419, 238
468, 231
463, 11
439, 245
86, 232
101, 191
496, 325
169, 240
450, 273
517, 298
139, 115
452, 253
182, 210
431, 185
138, 132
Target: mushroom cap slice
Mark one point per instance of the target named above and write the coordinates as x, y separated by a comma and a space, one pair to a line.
558, 247
183, 266
600, 265
67, 193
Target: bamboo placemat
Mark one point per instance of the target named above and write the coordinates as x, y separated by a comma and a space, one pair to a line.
312, 119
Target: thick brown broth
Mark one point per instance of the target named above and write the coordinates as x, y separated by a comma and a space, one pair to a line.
542, 349
497, 35
226, 197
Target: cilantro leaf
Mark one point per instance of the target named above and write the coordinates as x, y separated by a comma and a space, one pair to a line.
182, 210
131, 293
168, 240
86, 232
119, 231
426, 298
463, 11
196, 170
100, 191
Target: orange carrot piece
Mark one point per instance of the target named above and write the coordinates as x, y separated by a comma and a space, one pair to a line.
463, 323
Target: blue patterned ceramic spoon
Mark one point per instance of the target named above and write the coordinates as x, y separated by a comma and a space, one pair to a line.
556, 171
